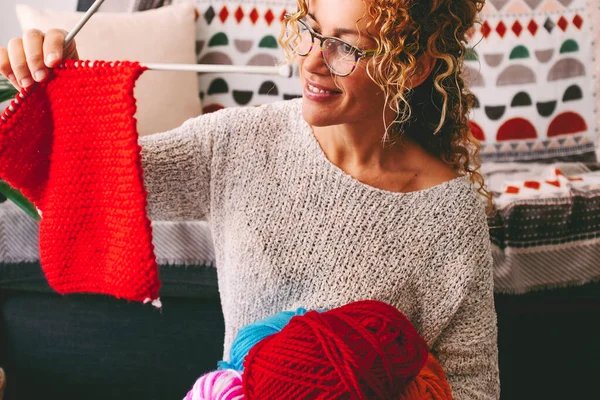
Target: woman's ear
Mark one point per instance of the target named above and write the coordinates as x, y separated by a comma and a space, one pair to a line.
425, 65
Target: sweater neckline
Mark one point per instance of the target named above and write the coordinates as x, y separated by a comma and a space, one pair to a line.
322, 158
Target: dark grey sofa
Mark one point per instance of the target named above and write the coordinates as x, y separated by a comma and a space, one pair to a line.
98, 347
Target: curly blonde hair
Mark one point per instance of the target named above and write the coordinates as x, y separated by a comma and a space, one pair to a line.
435, 113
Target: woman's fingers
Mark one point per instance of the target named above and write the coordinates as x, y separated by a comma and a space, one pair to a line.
70, 52
5, 68
32, 45
54, 42
18, 62
29, 59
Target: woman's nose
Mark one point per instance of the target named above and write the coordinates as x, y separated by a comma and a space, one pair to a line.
314, 62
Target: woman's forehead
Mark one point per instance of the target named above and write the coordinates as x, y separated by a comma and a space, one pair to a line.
339, 14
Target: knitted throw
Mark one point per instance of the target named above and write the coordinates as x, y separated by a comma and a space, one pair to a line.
70, 145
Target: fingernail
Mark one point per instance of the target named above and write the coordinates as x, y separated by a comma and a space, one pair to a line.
40, 75
26, 82
51, 58
12, 78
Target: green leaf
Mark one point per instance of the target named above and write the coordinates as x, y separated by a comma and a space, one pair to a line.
16, 197
7, 94
7, 90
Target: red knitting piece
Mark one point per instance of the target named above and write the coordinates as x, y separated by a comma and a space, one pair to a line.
70, 146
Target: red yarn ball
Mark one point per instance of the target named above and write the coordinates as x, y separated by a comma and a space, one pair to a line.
363, 350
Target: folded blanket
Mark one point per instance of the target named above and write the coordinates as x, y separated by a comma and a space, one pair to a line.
514, 182
70, 146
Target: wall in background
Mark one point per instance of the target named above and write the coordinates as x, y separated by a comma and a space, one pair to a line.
9, 26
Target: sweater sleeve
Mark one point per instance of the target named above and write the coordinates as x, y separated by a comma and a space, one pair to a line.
467, 347
177, 168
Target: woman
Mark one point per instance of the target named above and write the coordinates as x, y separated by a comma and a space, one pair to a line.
362, 189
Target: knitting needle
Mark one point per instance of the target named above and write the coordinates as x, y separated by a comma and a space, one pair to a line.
282, 70
88, 14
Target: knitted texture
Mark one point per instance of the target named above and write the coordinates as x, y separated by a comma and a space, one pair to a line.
363, 350
70, 146
293, 230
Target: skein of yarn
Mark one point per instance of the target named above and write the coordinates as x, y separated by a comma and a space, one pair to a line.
251, 334
430, 384
363, 350
217, 385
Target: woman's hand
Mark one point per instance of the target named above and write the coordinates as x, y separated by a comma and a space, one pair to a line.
27, 59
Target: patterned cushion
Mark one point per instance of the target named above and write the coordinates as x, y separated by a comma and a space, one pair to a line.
532, 70
242, 33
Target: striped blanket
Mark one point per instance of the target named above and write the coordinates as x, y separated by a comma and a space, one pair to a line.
545, 230
175, 243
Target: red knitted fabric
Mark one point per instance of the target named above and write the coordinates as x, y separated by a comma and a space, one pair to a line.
363, 350
70, 146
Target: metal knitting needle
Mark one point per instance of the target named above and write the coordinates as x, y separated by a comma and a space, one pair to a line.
88, 14
283, 70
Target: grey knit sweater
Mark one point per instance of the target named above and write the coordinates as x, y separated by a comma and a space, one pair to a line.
293, 230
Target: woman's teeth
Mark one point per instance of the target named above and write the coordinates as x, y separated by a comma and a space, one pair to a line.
316, 90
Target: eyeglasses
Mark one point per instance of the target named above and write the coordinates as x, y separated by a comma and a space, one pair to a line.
340, 57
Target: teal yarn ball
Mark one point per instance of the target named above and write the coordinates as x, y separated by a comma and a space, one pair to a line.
251, 334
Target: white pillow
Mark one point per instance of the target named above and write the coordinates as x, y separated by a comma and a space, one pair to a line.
165, 35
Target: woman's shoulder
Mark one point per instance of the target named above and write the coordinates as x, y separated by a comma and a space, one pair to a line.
264, 113
236, 131
455, 197
238, 124
437, 174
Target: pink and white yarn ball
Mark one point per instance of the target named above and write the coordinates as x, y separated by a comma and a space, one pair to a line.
218, 385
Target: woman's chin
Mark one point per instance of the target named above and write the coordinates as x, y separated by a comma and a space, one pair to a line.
318, 115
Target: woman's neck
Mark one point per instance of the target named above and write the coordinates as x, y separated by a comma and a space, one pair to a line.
400, 166
358, 148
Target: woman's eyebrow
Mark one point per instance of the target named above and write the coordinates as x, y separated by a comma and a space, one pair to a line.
337, 31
